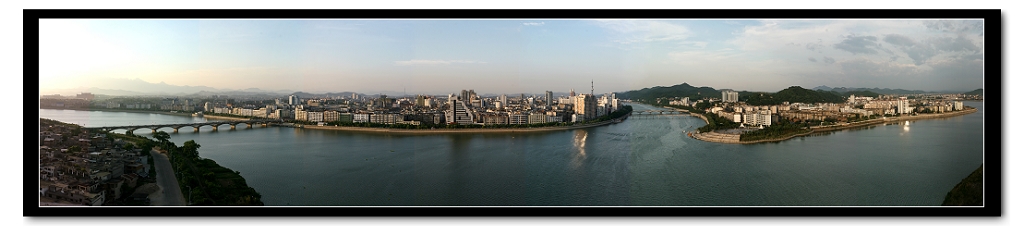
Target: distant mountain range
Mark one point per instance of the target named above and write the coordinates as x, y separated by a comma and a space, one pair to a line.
976, 92
883, 91
137, 87
791, 94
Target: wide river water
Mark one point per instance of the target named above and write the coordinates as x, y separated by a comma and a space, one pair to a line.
644, 161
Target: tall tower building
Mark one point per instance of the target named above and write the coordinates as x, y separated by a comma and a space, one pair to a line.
547, 99
293, 100
586, 105
730, 96
572, 93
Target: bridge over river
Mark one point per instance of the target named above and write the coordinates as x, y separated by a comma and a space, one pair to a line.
196, 125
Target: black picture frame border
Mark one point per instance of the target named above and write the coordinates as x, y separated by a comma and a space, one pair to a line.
993, 156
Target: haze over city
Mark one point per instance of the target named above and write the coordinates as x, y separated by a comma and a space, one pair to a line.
512, 56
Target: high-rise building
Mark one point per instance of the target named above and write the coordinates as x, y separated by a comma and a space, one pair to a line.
293, 100
730, 96
903, 106
586, 106
420, 101
458, 112
547, 99
572, 93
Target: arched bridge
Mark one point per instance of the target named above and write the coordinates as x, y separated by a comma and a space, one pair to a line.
660, 112
196, 125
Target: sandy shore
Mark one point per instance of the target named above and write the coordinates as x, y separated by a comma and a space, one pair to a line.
735, 138
467, 130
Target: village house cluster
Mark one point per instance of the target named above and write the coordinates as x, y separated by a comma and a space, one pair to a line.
80, 168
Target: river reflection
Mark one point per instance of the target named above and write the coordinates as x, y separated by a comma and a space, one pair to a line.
580, 142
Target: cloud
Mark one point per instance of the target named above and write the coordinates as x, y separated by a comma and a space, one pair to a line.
812, 59
858, 44
898, 40
436, 62
950, 44
533, 23
924, 50
828, 60
643, 31
864, 68
955, 26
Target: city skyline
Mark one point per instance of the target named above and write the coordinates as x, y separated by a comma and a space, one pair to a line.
513, 56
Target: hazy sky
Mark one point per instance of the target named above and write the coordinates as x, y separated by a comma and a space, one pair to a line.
514, 56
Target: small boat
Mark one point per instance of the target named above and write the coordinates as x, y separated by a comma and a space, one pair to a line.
197, 114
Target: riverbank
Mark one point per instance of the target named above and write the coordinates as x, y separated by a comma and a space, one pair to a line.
735, 138
464, 130
128, 111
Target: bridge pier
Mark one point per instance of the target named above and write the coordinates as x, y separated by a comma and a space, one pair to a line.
175, 130
248, 126
232, 127
196, 129
214, 128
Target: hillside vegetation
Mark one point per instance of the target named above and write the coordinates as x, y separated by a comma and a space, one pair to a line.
968, 192
793, 94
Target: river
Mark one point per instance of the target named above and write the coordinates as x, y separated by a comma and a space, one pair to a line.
644, 161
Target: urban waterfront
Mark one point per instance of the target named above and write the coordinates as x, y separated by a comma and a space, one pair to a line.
646, 160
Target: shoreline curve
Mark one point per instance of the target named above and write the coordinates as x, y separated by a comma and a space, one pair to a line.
734, 138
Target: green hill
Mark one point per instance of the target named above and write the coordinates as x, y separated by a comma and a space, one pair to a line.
976, 92
681, 90
793, 94
968, 192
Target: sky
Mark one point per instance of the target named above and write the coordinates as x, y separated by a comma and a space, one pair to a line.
514, 56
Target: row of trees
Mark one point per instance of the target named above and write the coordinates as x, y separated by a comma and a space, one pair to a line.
783, 128
204, 181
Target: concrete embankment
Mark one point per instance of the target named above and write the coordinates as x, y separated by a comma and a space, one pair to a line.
465, 130
735, 138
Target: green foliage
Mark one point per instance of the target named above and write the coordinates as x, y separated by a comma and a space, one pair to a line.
716, 122
976, 92
190, 149
681, 90
793, 94
162, 136
783, 128
968, 192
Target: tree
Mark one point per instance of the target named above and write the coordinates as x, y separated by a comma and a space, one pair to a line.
162, 136
190, 149
129, 146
